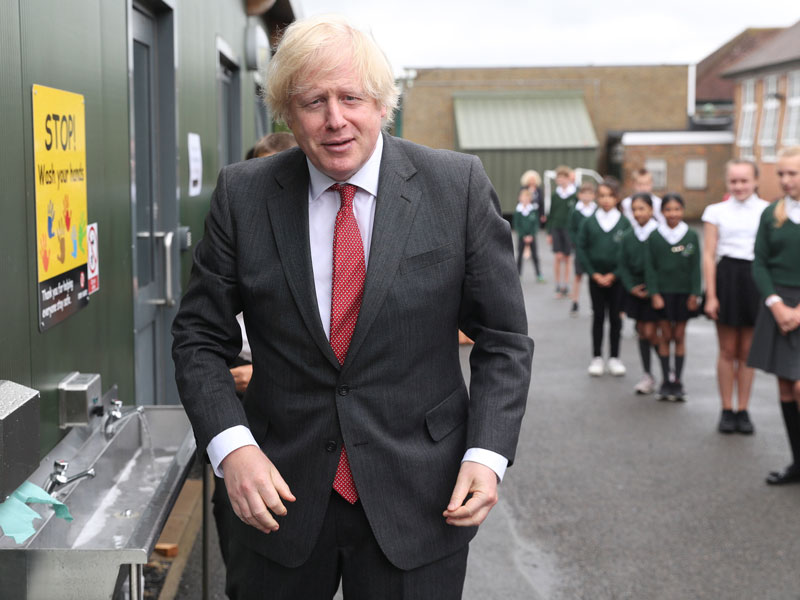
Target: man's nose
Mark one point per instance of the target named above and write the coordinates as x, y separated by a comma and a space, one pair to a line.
335, 117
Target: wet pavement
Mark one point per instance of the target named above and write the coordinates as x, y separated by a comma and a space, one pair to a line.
615, 495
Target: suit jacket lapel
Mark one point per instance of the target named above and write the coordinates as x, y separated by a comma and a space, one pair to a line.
288, 211
395, 207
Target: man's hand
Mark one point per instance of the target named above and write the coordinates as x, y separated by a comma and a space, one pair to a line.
255, 488
241, 377
480, 481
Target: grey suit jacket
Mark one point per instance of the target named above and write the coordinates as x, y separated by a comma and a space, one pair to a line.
441, 259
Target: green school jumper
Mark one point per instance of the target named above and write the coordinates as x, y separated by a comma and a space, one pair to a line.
526, 225
631, 260
673, 268
777, 253
598, 250
559, 211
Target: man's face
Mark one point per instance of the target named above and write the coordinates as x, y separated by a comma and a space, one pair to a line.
335, 123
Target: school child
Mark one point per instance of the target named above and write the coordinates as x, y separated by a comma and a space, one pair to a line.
583, 209
637, 304
732, 299
672, 277
642, 184
561, 202
598, 251
526, 223
776, 269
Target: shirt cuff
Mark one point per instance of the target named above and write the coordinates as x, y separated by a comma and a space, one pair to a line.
226, 442
496, 462
772, 299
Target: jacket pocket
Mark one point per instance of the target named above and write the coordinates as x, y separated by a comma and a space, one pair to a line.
426, 259
448, 414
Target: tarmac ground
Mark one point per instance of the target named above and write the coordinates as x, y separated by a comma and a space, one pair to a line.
615, 495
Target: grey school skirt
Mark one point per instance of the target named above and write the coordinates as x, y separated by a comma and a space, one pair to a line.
771, 351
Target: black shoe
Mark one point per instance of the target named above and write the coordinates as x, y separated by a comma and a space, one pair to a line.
727, 421
743, 423
678, 393
573, 312
790, 474
663, 391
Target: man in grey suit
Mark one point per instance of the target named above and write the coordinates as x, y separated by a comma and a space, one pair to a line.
358, 452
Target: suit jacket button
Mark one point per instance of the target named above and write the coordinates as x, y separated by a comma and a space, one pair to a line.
343, 390
330, 446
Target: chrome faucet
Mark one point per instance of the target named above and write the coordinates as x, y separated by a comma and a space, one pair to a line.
115, 416
58, 478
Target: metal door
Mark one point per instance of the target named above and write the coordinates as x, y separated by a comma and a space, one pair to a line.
153, 204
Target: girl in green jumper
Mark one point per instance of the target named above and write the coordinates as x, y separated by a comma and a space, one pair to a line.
526, 223
637, 302
776, 269
598, 251
672, 276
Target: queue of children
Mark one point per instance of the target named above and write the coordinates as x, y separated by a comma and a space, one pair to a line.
649, 266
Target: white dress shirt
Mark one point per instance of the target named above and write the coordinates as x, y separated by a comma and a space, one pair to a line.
323, 204
793, 210
673, 236
587, 210
642, 232
607, 219
737, 224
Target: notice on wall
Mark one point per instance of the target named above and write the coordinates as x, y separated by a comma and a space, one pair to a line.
93, 260
195, 164
59, 155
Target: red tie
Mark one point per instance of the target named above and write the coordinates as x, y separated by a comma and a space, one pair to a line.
349, 270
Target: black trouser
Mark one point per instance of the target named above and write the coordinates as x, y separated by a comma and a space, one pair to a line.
606, 299
521, 252
346, 549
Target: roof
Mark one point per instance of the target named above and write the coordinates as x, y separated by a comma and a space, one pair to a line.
782, 49
522, 120
676, 138
711, 87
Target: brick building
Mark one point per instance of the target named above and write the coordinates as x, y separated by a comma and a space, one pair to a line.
767, 104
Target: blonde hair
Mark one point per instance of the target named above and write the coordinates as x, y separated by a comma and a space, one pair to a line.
780, 207
563, 170
320, 45
529, 175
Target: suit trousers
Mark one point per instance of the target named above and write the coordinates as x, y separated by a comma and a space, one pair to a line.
346, 550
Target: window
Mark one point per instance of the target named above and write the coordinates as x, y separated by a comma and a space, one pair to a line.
791, 122
229, 112
747, 120
695, 171
658, 169
768, 132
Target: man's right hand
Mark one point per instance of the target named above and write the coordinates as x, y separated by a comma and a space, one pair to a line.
255, 488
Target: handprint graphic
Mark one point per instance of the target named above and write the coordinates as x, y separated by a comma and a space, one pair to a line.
45, 253
62, 241
67, 212
82, 233
51, 215
74, 242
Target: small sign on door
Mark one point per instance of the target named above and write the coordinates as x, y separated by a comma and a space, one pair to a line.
195, 164
93, 262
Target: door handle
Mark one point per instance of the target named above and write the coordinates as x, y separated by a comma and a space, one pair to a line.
168, 299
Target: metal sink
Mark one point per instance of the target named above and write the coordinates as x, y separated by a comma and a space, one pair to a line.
118, 514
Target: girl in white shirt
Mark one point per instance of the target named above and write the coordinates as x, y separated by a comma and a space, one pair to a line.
732, 300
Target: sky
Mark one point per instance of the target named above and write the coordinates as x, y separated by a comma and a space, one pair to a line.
450, 33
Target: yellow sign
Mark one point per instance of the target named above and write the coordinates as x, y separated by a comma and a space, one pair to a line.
59, 154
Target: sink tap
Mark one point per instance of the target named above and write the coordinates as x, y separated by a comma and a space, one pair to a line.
116, 416
58, 478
